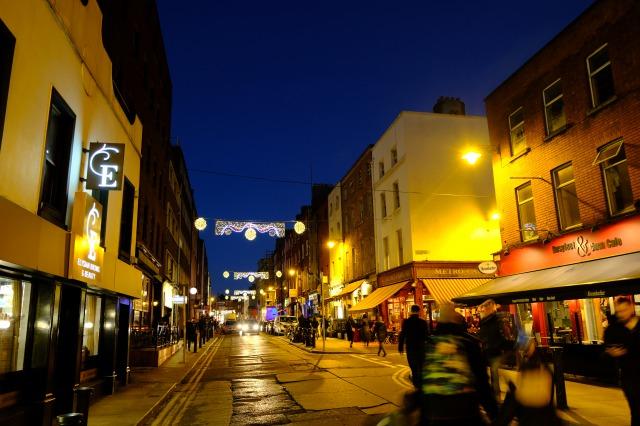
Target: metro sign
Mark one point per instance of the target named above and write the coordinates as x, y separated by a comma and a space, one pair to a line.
105, 165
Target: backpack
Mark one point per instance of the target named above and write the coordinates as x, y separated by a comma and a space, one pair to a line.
446, 368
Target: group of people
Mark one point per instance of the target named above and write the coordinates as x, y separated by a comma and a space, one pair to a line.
369, 330
199, 331
455, 373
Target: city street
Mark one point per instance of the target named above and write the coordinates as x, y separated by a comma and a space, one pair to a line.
265, 380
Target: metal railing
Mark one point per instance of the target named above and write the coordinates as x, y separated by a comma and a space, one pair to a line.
158, 337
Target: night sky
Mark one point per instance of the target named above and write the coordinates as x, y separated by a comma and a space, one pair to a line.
296, 90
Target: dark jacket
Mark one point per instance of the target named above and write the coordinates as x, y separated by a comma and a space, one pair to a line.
461, 406
414, 332
493, 340
349, 326
618, 334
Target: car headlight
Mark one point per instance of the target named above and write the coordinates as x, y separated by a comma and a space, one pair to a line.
256, 327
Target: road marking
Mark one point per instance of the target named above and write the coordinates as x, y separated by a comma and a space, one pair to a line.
399, 377
173, 412
379, 362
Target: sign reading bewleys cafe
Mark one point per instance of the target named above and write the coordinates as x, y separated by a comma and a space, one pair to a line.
105, 166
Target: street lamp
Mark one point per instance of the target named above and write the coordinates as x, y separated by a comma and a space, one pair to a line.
471, 156
193, 290
331, 244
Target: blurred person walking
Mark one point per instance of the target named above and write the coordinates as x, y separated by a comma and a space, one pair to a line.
349, 329
454, 382
622, 341
495, 343
414, 333
366, 330
381, 334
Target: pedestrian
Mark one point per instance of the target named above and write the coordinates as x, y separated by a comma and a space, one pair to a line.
455, 383
497, 346
191, 335
202, 329
531, 400
414, 332
314, 325
366, 330
349, 329
381, 334
622, 341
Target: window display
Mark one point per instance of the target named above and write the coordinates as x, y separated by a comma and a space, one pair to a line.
14, 314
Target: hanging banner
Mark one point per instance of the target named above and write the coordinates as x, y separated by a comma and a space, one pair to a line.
105, 166
86, 253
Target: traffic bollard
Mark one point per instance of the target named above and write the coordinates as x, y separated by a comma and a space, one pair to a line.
70, 419
558, 377
82, 401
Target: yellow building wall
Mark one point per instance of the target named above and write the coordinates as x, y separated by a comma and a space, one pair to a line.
59, 45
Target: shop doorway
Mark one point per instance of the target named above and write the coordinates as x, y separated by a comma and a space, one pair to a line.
67, 360
122, 345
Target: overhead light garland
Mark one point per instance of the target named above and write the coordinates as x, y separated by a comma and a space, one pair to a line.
248, 275
227, 227
225, 274
200, 223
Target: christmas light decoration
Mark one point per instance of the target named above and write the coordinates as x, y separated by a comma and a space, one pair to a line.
225, 274
299, 227
278, 274
243, 275
200, 223
227, 227
250, 234
251, 278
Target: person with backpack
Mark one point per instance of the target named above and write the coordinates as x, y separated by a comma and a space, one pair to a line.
497, 342
454, 375
381, 334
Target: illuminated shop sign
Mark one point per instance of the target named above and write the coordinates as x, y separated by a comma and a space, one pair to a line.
87, 253
105, 166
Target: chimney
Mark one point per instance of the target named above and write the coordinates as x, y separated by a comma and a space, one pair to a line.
449, 105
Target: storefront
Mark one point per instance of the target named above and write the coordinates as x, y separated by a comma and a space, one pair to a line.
562, 292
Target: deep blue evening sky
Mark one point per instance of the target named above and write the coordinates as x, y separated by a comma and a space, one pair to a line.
282, 88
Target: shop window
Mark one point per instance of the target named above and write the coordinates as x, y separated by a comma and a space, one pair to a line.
91, 330
566, 197
400, 248
383, 204
396, 195
600, 76
126, 221
613, 161
55, 176
554, 107
14, 316
516, 132
526, 213
7, 45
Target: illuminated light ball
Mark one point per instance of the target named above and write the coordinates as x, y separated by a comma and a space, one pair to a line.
251, 278
299, 227
155, 303
495, 216
225, 274
200, 224
226, 297
278, 274
250, 234
253, 297
193, 290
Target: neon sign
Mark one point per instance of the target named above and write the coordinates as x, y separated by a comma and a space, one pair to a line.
104, 170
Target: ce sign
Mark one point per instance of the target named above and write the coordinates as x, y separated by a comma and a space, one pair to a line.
105, 166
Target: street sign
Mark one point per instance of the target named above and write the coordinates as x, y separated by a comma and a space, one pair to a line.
179, 300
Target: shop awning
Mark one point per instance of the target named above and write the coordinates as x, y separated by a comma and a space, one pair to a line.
350, 288
596, 278
377, 297
445, 289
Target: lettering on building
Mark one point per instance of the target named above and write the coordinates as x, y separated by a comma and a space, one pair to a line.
105, 166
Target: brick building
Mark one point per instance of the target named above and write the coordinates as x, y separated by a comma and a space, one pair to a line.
566, 132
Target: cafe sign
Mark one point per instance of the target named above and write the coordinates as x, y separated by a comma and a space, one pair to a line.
87, 254
105, 166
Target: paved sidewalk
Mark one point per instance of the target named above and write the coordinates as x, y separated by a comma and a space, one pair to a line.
147, 389
588, 404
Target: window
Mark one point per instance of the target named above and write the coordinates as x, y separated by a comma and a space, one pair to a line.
396, 195
171, 272
55, 177
616, 178
394, 157
330, 208
526, 213
102, 196
383, 204
346, 265
554, 107
126, 221
600, 76
91, 329
14, 318
354, 258
400, 248
516, 129
566, 197
7, 44
380, 169
385, 260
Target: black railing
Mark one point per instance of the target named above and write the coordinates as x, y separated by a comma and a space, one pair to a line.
158, 337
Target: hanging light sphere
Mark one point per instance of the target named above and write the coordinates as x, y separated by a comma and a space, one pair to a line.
200, 224
251, 278
278, 274
253, 297
299, 227
225, 274
250, 234
226, 291
193, 290
226, 297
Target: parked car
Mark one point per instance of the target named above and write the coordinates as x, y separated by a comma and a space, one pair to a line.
249, 326
230, 326
283, 323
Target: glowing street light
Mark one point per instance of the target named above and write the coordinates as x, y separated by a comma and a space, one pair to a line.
331, 244
226, 291
200, 223
193, 290
495, 216
278, 274
471, 156
292, 272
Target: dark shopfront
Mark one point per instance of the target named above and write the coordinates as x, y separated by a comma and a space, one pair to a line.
55, 335
562, 292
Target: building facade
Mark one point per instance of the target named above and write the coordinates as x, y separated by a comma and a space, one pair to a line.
565, 129
67, 277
